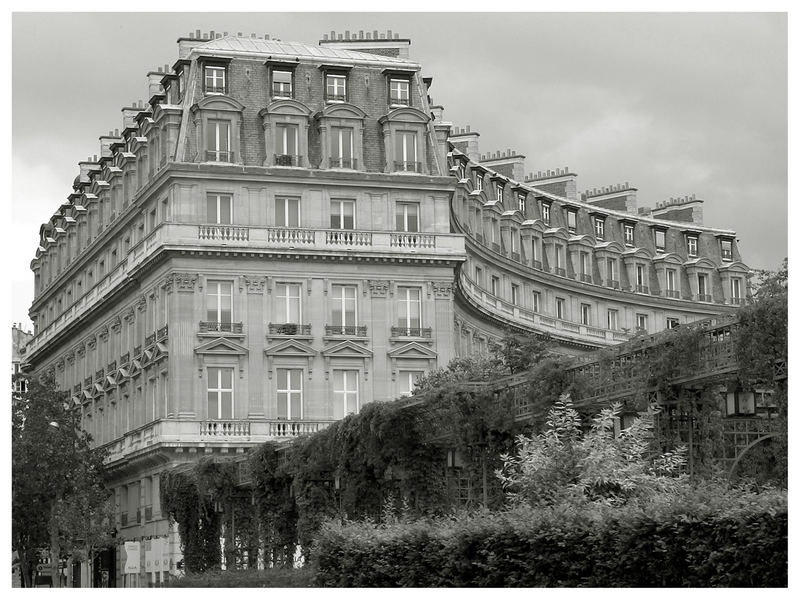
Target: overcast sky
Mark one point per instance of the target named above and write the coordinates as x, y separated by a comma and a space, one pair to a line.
675, 104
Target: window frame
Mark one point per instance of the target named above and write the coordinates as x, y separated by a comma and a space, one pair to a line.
600, 228
572, 220
338, 143
343, 394
641, 322
219, 197
273, 93
586, 314
340, 204
395, 101
630, 240
406, 304
405, 216
613, 312
285, 201
215, 89
289, 390
288, 300
692, 244
409, 374
215, 150
220, 391
332, 77
218, 296
343, 300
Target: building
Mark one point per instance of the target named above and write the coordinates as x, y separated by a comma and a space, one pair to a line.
19, 339
285, 232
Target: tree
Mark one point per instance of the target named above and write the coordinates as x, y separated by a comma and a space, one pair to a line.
564, 464
58, 498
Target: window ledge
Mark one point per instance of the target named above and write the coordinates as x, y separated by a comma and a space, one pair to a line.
411, 338
217, 334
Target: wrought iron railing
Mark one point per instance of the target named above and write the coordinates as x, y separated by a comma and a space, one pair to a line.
354, 330
162, 333
704, 297
289, 329
216, 326
673, 294
423, 332
329, 97
407, 165
279, 90
399, 101
515, 256
560, 271
288, 160
586, 278
537, 264
642, 289
612, 283
344, 163
219, 156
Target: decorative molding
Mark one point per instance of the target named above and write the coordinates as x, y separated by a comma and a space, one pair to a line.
379, 288
129, 315
91, 342
255, 284
80, 350
185, 281
70, 357
442, 289
116, 324
103, 332
141, 304
60, 364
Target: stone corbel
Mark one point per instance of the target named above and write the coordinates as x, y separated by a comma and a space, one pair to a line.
186, 281
70, 357
141, 304
116, 324
378, 287
91, 342
80, 350
103, 333
60, 365
255, 284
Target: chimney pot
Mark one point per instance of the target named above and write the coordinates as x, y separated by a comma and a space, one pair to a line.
197, 33
340, 36
467, 128
347, 34
226, 34
361, 34
389, 34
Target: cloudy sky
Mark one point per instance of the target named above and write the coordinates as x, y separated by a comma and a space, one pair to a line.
673, 103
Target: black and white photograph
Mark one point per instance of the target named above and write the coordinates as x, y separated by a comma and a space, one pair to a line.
399, 299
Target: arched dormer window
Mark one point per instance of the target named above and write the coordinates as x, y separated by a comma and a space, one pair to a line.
341, 128
607, 257
638, 267
404, 141
217, 121
285, 123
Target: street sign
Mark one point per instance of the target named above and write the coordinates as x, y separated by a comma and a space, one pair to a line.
132, 557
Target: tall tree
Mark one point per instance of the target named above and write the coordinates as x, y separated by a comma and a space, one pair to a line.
58, 498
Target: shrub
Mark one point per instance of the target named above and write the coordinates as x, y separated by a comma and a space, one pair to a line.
250, 578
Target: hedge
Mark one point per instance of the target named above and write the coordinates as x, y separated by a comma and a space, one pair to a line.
700, 542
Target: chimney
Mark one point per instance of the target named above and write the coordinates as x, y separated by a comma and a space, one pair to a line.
384, 44
466, 141
185, 44
442, 130
105, 144
129, 117
154, 87
620, 196
688, 209
509, 163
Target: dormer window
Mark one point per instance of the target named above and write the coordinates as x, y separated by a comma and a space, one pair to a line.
406, 152
628, 234
691, 245
215, 79
546, 212
660, 239
726, 249
282, 83
478, 181
335, 87
399, 92
600, 228
572, 220
499, 192
521, 199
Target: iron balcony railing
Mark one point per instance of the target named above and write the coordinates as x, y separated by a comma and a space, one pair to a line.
150, 340
162, 333
704, 297
612, 283
219, 156
560, 272
281, 90
289, 329
673, 294
727, 255
422, 332
354, 330
344, 163
399, 101
215, 89
216, 326
586, 278
288, 160
642, 289
537, 264
495, 246
125, 359
407, 165
515, 256
329, 97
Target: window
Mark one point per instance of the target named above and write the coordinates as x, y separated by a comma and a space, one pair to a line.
498, 190
286, 145
586, 314
702, 288
290, 394
220, 393
345, 393
282, 84
409, 310
546, 213
736, 290
599, 228
585, 266
214, 79
726, 249
218, 148
287, 303
560, 308
670, 273
495, 286
660, 239
521, 199
342, 214
628, 232
405, 152
641, 322
479, 276
691, 246
218, 209
613, 319
398, 92
514, 294
672, 323
641, 279
342, 148
559, 258
572, 220
335, 88
343, 308
287, 212
478, 180
406, 380
407, 217
612, 272
218, 304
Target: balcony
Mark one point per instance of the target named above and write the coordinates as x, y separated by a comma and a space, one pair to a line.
286, 429
149, 340
225, 429
288, 329
219, 156
642, 289
222, 232
347, 237
586, 278
162, 333
218, 327
537, 264
560, 271
412, 240
736, 301
612, 283
704, 298
343, 163
288, 160
515, 256
673, 294
408, 166
148, 513
419, 332
348, 330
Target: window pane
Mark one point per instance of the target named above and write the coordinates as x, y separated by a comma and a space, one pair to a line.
294, 212
227, 379
211, 209
296, 405
283, 402
213, 407
225, 210
282, 76
227, 405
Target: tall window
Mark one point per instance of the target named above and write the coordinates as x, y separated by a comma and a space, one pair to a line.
287, 303
407, 216
641, 322
736, 289
660, 239
670, 280
546, 212
282, 84
218, 303
585, 268
702, 287
514, 294
409, 310
691, 246
672, 323
478, 180
218, 209
495, 286
640, 277
214, 79
220, 393
560, 308
586, 313
405, 152
287, 212
218, 148
342, 214
628, 231
290, 393
572, 220
726, 249
286, 145
612, 271
406, 380
479, 276
345, 393
613, 319
335, 88
343, 308
398, 92
599, 228
537, 301
521, 203
342, 148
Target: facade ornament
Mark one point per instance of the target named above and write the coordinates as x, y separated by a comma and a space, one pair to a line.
116, 324
255, 284
70, 357
168, 285
442, 289
91, 342
129, 315
60, 365
103, 332
185, 281
379, 288
80, 350
141, 304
